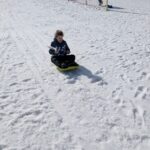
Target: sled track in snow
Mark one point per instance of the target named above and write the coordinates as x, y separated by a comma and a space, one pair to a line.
35, 64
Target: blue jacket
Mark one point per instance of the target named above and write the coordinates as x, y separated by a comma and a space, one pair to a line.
59, 49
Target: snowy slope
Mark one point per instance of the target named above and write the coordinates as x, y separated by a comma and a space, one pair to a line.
104, 105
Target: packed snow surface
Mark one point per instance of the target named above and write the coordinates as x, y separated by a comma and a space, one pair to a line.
105, 105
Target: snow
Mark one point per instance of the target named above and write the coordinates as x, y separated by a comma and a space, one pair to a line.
104, 105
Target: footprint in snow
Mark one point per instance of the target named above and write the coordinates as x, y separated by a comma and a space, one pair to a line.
13, 84
139, 91
3, 146
26, 80
4, 96
19, 64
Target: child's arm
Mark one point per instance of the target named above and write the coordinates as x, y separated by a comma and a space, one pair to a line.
52, 49
67, 48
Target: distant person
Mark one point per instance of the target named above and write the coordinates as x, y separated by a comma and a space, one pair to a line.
101, 4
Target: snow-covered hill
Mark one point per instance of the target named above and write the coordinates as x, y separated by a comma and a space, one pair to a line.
105, 105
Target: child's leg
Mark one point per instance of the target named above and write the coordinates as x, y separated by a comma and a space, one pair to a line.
63, 61
100, 2
57, 60
70, 58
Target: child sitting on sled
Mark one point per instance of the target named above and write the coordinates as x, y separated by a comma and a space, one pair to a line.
61, 52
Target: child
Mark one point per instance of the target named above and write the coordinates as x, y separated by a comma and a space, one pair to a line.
60, 51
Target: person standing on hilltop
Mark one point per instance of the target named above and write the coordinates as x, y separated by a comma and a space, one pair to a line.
101, 4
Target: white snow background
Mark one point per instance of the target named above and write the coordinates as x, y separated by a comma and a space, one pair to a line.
105, 105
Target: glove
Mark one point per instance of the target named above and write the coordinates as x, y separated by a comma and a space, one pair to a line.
52, 51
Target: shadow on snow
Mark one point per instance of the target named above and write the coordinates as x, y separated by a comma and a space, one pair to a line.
119, 10
82, 71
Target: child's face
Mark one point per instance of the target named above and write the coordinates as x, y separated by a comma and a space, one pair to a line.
59, 39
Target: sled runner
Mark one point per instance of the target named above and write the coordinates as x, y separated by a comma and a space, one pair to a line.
69, 68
